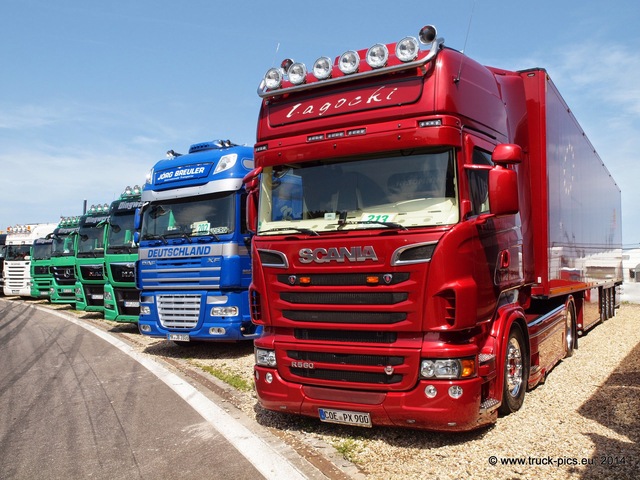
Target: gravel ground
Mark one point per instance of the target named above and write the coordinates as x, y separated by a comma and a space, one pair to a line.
582, 423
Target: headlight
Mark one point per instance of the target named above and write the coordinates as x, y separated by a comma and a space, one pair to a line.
297, 73
407, 49
265, 358
448, 368
349, 62
377, 55
224, 312
145, 310
107, 295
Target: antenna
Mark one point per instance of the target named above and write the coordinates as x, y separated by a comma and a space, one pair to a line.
464, 48
276, 53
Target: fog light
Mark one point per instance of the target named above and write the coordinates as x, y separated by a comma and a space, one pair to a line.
430, 391
268, 378
217, 331
455, 391
145, 328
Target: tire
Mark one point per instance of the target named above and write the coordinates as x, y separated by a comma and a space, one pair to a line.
515, 372
570, 329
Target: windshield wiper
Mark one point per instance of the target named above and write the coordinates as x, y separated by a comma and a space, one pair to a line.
156, 237
341, 225
178, 234
306, 231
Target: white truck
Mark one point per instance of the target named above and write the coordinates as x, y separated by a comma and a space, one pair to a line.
17, 266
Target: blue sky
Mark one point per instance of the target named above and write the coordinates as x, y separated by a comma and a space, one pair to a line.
93, 93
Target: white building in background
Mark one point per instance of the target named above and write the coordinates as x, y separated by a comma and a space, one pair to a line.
631, 269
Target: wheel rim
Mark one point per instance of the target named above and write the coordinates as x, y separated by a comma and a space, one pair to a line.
514, 368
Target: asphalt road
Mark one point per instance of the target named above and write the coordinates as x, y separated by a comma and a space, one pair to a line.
75, 405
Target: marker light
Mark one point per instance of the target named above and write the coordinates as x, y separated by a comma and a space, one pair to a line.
226, 162
349, 62
297, 73
407, 49
286, 64
377, 55
273, 78
322, 68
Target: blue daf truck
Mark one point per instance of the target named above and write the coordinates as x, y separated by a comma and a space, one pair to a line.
194, 267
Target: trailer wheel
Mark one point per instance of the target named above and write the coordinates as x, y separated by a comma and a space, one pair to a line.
570, 329
516, 372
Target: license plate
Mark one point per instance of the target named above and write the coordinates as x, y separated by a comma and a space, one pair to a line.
67, 290
97, 296
345, 417
178, 337
131, 304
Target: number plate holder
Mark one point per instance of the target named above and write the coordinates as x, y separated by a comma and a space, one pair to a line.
345, 417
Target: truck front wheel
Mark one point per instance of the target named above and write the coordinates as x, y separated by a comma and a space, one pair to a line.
516, 372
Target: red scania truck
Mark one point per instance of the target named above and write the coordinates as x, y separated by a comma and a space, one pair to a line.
432, 235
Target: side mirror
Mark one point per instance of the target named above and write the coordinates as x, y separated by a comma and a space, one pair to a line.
503, 191
137, 219
507, 154
252, 186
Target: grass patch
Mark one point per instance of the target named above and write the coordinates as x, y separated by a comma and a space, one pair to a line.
231, 379
349, 448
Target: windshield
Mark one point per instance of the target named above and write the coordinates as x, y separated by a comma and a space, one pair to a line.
63, 245
121, 231
190, 217
17, 252
413, 190
41, 251
91, 239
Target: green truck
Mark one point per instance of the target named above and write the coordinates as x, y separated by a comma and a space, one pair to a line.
63, 262
41, 278
89, 247
121, 297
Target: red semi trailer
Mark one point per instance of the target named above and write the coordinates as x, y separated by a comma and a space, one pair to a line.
432, 235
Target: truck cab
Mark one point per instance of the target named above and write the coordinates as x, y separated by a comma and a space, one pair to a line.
89, 259
41, 267
194, 267
17, 265
63, 261
121, 298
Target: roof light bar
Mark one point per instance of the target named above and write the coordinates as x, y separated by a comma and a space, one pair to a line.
293, 76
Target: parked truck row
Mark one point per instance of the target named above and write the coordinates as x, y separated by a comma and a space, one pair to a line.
414, 240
